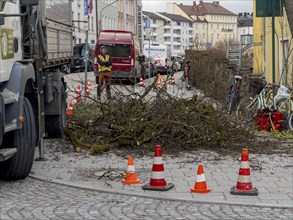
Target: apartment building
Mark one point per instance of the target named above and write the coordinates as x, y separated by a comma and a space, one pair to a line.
178, 33
175, 31
245, 28
212, 22
153, 34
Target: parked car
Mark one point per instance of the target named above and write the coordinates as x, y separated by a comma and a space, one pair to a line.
78, 61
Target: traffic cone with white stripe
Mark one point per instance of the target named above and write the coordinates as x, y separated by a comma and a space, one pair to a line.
244, 184
69, 111
172, 80
88, 87
200, 185
157, 181
141, 83
78, 93
130, 176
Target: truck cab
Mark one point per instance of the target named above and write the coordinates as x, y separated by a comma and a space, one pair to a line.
36, 43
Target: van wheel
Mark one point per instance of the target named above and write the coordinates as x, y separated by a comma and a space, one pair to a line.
24, 140
55, 124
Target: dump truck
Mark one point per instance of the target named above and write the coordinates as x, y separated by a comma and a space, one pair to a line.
36, 50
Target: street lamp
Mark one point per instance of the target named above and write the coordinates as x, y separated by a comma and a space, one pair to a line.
100, 26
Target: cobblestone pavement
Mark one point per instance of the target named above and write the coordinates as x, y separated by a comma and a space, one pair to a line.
270, 174
34, 199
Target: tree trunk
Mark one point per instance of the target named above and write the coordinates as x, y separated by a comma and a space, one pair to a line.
289, 11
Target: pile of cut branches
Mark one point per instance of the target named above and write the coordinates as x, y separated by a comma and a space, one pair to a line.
176, 124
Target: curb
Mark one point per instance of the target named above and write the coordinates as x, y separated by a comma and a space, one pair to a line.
113, 191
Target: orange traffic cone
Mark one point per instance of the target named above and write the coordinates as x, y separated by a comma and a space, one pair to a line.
130, 177
200, 185
157, 181
244, 184
69, 110
173, 81
88, 87
141, 81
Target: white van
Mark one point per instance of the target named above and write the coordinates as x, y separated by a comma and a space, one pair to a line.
159, 54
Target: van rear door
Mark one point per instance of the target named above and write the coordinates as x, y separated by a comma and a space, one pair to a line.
121, 55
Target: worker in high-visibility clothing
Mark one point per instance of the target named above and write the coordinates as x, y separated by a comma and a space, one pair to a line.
104, 71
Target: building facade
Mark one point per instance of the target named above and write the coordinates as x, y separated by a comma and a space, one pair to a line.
173, 30
264, 61
106, 15
103, 16
245, 28
178, 33
212, 23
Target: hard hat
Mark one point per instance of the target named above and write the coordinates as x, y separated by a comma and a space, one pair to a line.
103, 47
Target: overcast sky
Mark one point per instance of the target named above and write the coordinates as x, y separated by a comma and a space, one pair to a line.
234, 6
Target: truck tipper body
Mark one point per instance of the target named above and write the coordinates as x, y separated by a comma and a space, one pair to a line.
36, 48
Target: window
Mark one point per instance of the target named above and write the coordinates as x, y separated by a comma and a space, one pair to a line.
92, 23
78, 19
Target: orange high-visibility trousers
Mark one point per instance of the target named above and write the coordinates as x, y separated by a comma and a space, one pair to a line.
107, 76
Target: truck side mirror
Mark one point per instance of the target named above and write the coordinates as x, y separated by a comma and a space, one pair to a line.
29, 2
2, 21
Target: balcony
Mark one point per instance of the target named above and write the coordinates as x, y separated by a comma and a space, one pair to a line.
176, 27
177, 43
167, 27
176, 35
167, 42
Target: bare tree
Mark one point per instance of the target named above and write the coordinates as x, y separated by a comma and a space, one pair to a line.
289, 11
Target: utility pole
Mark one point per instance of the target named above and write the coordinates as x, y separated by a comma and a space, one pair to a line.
97, 20
273, 42
86, 16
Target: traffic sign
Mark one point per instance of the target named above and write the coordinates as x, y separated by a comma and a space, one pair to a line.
86, 8
148, 23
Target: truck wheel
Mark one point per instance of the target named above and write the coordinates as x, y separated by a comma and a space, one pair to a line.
55, 124
24, 140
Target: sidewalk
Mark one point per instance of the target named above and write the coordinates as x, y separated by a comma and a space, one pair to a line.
272, 175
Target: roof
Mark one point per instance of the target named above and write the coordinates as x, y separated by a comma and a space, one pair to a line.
204, 8
152, 15
174, 17
115, 36
245, 21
